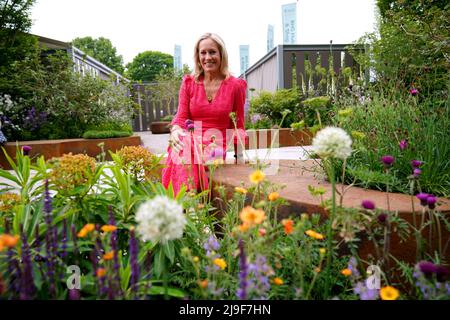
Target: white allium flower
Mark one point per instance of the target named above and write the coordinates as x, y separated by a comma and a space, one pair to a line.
332, 142
160, 219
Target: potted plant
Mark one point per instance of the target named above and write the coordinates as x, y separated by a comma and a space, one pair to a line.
162, 126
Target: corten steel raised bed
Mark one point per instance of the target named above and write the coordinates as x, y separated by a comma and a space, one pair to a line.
158, 127
56, 148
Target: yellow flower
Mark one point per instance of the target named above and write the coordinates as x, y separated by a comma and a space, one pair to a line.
108, 228
220, 263
273, 196
357, 135
218, 162
196, 259
389, 293
322, 251
346, 272
240, 190
108, 255
314, 234
257, 176
252, 216
278, 281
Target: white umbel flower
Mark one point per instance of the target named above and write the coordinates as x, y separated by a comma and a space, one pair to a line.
332, 142
160, 220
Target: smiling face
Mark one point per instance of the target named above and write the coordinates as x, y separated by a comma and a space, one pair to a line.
209, 56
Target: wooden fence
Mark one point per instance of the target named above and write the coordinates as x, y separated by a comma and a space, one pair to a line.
152, 109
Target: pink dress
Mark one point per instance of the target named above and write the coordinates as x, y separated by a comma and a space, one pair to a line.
213, 132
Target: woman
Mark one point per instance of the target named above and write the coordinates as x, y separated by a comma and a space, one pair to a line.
202, 128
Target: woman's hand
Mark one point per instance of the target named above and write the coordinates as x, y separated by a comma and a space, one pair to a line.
176, 138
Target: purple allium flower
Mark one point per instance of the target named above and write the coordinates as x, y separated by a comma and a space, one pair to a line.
387, 160
242, 291
442, 273
431, 201
26, 150
413, 91
427, 268
368, 204
403, 144
382, 218
416, 172
416, 163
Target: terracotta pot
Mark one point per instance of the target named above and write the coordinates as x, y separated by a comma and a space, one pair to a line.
160, 127
262, 138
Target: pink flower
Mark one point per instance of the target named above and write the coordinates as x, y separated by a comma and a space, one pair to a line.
403, 144
414, 92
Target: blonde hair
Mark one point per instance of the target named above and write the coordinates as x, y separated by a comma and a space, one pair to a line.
198, 70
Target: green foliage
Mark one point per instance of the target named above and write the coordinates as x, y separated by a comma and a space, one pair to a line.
102, 50
385, 122
411, 50
96, 134
146, 66
272, 106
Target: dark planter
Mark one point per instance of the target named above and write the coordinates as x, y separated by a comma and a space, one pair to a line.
160, 127
262, 138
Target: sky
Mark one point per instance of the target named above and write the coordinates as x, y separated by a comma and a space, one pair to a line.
135, 26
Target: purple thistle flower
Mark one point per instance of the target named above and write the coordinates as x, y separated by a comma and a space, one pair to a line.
442, 273
368, 204
74, 294
423, 198
189, 124
431, 201
416, 163
382, 218
427, 268
134, 263
242, 291
416, 172
387, 160
26, 150
414, 91
403, 144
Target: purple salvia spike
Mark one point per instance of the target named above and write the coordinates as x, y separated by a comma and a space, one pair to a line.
242, 291
27, 282
134, 263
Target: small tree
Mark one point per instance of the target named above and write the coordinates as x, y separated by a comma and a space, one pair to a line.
102, 50
146, 66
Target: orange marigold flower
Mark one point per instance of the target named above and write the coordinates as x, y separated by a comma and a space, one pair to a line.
203, 284
389, 293
101, 272
252, 216
278, 281
85, 230
108, 228
257, 176
346, 272
220, 263
108, 255
273, 196
288, 225
314, 234
240, 190
243, 227
8, 241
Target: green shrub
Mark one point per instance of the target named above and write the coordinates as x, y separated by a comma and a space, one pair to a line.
96, 134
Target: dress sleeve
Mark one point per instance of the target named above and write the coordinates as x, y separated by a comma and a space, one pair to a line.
238, 108
184, 98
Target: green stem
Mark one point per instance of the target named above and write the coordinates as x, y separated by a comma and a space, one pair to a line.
329, 231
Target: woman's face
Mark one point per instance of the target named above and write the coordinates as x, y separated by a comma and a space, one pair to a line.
209, 55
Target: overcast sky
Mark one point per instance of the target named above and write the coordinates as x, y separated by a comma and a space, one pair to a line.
134, 26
